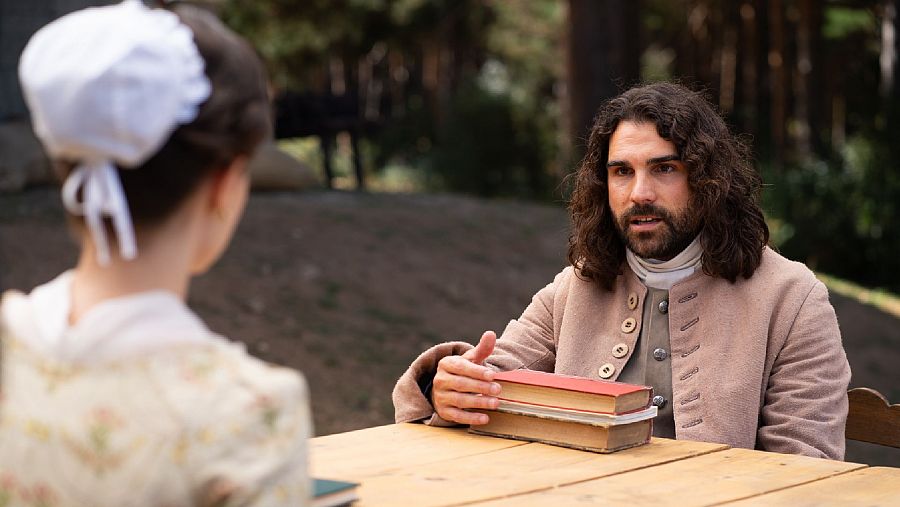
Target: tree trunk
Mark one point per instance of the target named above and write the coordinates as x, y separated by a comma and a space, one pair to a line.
888, 58
749, 55
728, 60
803, 78
890, 83
778, 82
603, 58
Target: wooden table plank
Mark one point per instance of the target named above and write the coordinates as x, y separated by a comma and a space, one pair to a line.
864, 487
358, 454
514, 470
702, 480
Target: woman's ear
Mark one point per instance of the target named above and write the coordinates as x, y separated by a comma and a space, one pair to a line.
229, 186
222, 206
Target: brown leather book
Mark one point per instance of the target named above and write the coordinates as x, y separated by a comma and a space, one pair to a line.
577, 434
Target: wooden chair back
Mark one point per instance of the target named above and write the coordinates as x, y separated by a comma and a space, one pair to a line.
872, 419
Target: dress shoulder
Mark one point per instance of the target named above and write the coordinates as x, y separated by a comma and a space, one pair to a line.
247, 423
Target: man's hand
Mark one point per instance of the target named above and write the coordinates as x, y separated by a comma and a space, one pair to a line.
461, 379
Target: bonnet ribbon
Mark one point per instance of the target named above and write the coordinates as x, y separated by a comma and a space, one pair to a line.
101, 196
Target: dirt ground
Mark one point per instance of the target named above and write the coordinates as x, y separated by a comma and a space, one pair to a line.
350, 287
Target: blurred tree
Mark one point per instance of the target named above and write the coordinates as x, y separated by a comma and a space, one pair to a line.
604, 48
408, 61
492, 97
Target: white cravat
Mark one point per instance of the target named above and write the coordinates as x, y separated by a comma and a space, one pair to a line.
664, 274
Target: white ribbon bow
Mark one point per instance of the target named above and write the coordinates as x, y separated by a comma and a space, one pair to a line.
101, 195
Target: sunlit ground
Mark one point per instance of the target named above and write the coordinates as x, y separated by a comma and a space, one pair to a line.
396, 177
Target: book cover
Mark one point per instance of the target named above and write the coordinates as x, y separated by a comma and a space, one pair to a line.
332, 493
566, 433
569, 392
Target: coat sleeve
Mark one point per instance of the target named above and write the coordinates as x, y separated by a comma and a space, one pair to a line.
527, 342
410, 402
805, 403
530, 341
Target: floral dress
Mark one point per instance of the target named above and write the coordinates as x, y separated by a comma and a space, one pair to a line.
139, 404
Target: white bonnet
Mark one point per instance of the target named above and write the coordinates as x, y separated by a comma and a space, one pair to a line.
105, 86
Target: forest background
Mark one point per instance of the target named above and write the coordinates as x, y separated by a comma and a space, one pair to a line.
495, 98
471, 113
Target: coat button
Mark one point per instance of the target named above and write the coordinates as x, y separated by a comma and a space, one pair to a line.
620, 350
607, 370
632, 301
664, 306
660, 354
628, 325
659, 401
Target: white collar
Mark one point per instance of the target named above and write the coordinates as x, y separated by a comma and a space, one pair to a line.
664, 274
115, 329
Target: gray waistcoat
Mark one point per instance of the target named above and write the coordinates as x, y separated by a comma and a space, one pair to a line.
650, 364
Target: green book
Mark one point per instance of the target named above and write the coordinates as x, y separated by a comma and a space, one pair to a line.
330, 493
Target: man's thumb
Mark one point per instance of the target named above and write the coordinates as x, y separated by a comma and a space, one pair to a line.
484, 348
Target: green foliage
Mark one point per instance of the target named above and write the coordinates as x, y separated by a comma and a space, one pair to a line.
843, 21
840, 217
487, 147
502, 56
297, 39
476, 87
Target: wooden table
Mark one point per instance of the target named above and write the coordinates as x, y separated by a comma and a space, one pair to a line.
416, 465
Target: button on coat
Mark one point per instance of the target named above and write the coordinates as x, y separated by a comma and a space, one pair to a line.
632, 301
607, 370
660, 354
659, 401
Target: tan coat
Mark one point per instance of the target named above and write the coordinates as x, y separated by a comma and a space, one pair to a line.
755, 364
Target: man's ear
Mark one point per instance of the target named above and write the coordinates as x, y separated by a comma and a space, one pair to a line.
226, 183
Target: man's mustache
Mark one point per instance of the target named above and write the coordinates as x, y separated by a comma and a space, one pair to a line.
644, 210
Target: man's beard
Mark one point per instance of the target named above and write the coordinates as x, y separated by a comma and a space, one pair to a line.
674, 233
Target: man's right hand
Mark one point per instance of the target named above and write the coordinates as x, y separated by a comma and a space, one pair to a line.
462, 382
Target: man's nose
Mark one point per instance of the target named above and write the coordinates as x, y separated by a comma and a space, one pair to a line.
643, 190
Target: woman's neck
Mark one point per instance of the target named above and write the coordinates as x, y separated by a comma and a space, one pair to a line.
163, 263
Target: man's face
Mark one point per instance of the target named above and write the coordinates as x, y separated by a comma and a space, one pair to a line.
649, 192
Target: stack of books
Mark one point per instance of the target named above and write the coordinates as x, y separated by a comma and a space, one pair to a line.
582, 413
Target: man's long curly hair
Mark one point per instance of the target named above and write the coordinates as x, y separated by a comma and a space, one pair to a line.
724, 185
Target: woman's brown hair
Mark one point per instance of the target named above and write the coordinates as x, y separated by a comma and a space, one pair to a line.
724, 185
230, 123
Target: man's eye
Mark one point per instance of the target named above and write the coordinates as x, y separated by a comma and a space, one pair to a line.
666, 168
621, 171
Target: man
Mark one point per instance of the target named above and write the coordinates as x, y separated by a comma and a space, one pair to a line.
671, 285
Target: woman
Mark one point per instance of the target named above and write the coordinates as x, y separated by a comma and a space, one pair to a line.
113, 391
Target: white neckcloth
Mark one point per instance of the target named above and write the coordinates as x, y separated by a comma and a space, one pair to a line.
664, 274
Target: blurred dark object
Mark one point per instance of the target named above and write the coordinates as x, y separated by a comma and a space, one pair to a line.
323, 116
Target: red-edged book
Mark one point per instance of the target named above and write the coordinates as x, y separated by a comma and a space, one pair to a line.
586, 414
572, 393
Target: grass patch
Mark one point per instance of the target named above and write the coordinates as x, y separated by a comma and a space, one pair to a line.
387, 317
879, 298
329, 298
395, 177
